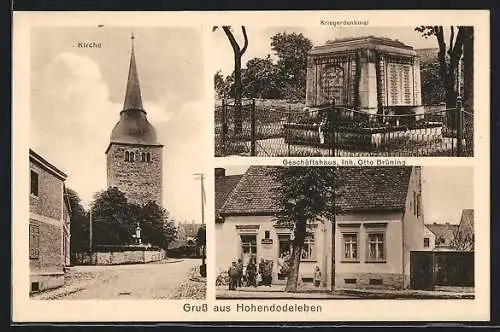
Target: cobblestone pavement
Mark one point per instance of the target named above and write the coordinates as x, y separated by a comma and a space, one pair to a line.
136, 281
195, 287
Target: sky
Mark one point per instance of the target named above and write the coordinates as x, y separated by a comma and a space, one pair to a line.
446, 191
259, 40
78, 93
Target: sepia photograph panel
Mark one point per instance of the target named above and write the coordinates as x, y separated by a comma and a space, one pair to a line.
347, 92
344, 232
110, 107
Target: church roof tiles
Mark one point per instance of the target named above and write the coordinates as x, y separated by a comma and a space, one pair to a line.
133, 127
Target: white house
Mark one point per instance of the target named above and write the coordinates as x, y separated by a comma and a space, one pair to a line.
379, 220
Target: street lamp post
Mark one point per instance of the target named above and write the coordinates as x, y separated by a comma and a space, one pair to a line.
203, 267
90, 229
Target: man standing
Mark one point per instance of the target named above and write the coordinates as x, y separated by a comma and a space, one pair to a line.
239, 266
262, 267
233, 276
251, 273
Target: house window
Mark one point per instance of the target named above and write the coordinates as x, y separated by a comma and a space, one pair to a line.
248, 247
132, 156
266, 234
34, 183
350, 245
143, 156
350, 281
426, 242
148, 157
34, 241
376, 247
308, 252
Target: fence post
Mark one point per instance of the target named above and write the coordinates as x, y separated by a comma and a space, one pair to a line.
224, 127
252, 129
331, 124
460, 126
287, 130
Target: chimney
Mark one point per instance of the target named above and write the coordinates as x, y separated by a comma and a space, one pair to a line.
220, 172
447, 223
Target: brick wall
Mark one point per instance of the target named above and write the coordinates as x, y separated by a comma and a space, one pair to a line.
140, 181
49, 201
49, 258
121, 257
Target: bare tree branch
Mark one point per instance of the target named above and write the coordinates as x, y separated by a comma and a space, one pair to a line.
245, 45
457, 49
438, 31
232, 40
452, 36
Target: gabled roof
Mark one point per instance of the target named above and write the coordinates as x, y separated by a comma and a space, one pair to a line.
468, 218
191, 230
43, 163
444, 231
364, 188
224, 185
373, 188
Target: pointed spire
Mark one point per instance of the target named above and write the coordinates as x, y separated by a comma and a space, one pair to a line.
133, 99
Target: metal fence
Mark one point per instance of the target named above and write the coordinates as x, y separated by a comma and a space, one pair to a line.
251, 130
431, 269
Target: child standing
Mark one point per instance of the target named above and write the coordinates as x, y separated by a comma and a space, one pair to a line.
317, 277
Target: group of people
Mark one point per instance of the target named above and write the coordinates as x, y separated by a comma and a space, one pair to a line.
252, 276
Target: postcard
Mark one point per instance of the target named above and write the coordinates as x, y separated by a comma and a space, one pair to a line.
251, 166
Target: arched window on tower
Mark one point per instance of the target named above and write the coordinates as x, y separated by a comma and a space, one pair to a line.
149, 157
127, 156
143, 156
132, 156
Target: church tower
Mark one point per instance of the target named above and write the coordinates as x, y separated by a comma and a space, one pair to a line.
134, 155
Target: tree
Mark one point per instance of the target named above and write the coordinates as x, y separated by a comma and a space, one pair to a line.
292, 50
238, 52
219, 84
463, 241
79, 226
433, 92
113, 219
305, 194
468, 61
448, 57
201, 236
259, 79
156, 226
